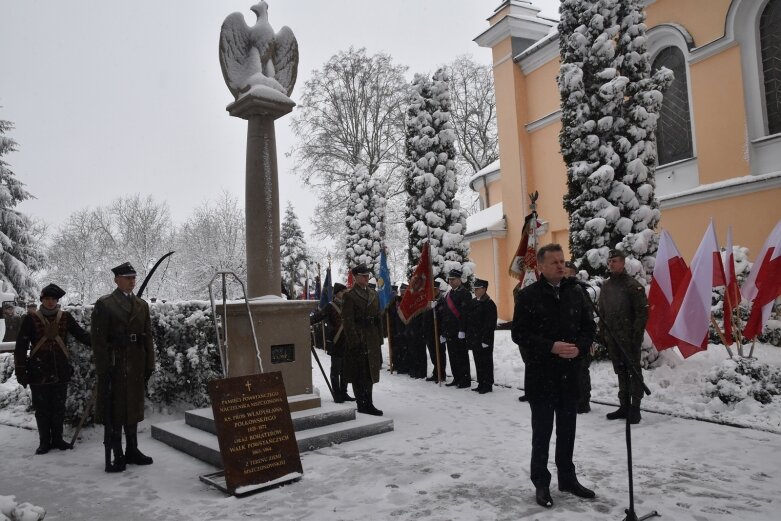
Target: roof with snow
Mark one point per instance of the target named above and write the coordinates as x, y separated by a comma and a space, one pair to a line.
489, 172
490, 221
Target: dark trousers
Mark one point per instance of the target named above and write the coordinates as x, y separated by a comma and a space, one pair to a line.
459, 360
400, 355
543, 413
432, 353
484, 366
49, 404
416, 357
338, 383
362, 387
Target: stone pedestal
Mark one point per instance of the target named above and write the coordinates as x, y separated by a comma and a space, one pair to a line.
284, 339
262, 189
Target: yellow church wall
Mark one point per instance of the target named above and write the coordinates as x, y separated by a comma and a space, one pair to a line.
704, 19
719, 117
542, 90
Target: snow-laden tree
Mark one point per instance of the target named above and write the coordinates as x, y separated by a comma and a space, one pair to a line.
365, 220
294, 259
19, 250
135, 229
350, 115
430, 181
607, 125
473, 110
212, 239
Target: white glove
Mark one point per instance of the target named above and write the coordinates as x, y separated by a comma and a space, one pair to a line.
433, 304
461, 335
484, 345
442, 340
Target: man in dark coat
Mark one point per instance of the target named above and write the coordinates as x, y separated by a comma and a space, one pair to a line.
47, 368
454, 310
335, 341
431, 339
584, 377
398, 334
480, 327
362, 324
554, 328
623, 307
124, 361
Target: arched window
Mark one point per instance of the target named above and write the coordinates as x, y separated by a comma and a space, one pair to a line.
674, 130
770, 43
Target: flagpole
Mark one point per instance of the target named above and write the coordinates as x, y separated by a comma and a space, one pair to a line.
434, 311
721, 335
388, 329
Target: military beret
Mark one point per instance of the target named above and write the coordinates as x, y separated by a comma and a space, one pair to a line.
52, 290
480, 283
339, 287
372, 285
454, 274
124, 270
615, 252
360, 269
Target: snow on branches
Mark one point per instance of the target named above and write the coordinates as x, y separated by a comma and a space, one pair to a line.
431, 185
294, 260
610, 105
365, 220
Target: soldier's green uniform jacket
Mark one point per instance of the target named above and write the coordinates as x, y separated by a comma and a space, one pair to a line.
363, 329
122, 344
624, 307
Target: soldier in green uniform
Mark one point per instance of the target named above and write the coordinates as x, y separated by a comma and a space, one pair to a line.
47, 367
124, 361
363, 329
623, 307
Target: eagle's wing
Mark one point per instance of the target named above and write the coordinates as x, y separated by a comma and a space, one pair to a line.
235, 60
286, 59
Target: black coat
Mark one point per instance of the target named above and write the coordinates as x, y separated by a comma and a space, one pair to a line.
331, 316
539, 320
480, 323
454, 322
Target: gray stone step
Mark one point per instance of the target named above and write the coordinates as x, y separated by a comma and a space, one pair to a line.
326, 414
203, 445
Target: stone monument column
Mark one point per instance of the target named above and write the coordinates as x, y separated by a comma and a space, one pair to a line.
261, 193
260, 67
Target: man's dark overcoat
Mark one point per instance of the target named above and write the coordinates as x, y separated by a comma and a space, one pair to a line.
124, 351
540, 319
363, 329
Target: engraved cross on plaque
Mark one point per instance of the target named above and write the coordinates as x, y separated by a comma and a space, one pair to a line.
248, 385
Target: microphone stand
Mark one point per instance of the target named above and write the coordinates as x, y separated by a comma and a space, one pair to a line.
633, 374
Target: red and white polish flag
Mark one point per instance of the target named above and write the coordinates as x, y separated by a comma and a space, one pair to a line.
670, 270
693, 300
731, 292
763, 285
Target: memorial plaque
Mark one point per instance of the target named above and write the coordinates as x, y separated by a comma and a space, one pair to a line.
283, 353
255, 432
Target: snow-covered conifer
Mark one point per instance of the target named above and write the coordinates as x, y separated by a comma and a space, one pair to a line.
19, 254
432, 207
294, 260
606, 139
365, 220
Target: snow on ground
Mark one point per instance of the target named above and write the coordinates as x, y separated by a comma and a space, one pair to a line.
454, 455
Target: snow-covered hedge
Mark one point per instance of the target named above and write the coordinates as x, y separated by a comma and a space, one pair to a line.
10, 510
186, 359
740, 378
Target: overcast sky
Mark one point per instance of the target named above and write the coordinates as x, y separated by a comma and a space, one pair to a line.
111, 98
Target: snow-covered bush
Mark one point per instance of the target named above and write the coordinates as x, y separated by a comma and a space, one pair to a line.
186, 359
737, 379
6, 366
10, 510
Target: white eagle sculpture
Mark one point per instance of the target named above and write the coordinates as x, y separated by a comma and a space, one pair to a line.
256, 56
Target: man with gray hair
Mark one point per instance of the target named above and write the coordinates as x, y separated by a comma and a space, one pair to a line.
554, 327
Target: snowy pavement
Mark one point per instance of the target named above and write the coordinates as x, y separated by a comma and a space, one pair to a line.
454, 455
